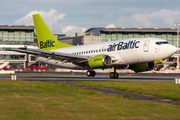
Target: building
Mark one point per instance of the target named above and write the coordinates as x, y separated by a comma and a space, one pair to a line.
14, 37
81, 39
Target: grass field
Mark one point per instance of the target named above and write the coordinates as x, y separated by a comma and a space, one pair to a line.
160, 89
43, 100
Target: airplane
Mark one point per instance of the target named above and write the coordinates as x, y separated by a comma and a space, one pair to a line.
137, 54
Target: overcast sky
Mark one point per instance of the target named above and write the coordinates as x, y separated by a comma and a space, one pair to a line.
70, 16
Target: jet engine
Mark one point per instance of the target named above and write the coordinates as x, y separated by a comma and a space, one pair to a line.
100, 61
142, 67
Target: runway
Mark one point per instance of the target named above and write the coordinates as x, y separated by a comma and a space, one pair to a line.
98, 77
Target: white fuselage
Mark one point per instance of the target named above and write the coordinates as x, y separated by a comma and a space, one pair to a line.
123, 52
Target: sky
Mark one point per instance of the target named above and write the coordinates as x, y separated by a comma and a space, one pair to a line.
71, 16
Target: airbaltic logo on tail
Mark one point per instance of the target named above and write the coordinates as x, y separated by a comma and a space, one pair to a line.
46, 44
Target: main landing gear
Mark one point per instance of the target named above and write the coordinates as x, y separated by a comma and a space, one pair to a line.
90, 73
114, 74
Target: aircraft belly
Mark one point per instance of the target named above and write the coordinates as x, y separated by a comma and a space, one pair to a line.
136, 56
130, 57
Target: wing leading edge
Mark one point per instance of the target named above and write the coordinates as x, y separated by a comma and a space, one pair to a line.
63, 57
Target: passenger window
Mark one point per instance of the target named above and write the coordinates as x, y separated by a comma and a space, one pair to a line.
96, 50
165, 43
157, 43
160, 43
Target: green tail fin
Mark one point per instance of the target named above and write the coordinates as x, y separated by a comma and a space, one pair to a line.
46, 40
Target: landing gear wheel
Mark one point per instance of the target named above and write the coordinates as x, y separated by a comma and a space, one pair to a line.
111, 75
93, 73
90, 73
114, 74
157, 68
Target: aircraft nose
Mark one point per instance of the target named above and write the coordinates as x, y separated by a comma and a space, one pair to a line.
172, 49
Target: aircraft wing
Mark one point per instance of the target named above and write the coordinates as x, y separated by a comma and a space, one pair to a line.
52, 55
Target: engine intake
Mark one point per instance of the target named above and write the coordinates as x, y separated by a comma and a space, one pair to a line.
100, 61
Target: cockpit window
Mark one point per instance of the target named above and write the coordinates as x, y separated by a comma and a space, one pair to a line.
160, 43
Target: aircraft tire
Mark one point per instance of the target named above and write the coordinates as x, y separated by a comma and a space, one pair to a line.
93, 73
157, 68
90, 73
114, 75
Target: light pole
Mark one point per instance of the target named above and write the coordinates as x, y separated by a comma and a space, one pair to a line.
177, 44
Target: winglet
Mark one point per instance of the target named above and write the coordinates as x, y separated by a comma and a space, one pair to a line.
46, 40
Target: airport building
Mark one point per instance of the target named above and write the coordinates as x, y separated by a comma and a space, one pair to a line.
81, 39
14, 37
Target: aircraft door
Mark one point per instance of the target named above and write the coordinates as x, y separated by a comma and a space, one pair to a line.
146, 46
102, 50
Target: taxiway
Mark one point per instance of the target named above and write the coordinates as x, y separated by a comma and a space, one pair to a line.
99, 77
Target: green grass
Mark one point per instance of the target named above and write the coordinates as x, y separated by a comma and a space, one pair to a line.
42, 100
160, 89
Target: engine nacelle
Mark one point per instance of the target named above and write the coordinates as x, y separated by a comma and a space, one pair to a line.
100, 61
142, 67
